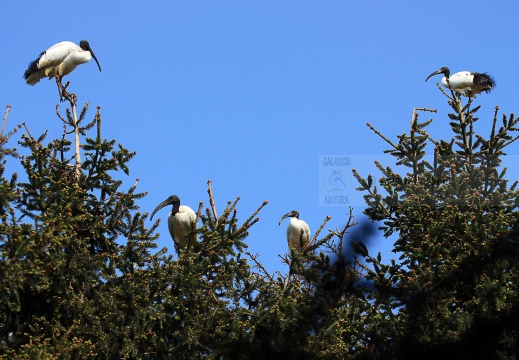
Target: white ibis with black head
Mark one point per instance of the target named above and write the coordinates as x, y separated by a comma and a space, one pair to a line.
59, 60
298, 231
179, 220
466, 83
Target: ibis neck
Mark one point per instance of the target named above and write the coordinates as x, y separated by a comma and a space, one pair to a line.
175, 208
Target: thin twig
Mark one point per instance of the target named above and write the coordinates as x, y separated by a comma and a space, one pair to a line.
328, 218
380, 134
443, 91
28, 132
59, 115
289, 261
249, 222
218, 301
98, 119
258, 264
72, 99
494, 121
351, 222
76, 136
136, 183
211, 201
287, 280
8, 108
200, 206
415, 115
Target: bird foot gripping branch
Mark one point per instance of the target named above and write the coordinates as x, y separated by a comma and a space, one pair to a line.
63, 93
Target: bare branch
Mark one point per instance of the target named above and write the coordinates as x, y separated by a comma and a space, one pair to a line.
200, 206
258, 264
351, 222
249, 222
444, 93
98, 119
8, 108
328, 218
380, 134
415, 115
211, 201
28, 132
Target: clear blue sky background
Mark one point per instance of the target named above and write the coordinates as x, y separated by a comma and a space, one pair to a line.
251, 94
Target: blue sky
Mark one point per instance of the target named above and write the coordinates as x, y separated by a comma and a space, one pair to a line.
251, 95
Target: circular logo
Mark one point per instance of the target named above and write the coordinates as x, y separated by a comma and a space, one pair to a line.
337, 181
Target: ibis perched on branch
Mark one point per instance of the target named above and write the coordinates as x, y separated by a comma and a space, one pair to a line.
179, 220
298, 232
466, 83
59, 60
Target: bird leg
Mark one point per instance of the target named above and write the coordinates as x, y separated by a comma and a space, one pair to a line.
62, 90
63, 93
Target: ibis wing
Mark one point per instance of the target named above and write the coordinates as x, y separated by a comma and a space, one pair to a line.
306, 235
53, 58
461, 80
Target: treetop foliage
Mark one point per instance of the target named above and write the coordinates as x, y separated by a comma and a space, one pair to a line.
81, 275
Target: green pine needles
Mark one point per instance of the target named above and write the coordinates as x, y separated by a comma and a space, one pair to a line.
81, 275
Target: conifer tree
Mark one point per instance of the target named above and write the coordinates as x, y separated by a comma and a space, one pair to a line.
81, 276
454, 215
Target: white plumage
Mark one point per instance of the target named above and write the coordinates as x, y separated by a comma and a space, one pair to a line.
60, 59
179, 220
298, 231
466, 83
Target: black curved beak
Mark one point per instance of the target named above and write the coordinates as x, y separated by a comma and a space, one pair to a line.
434, 73
93, 55
293, 213
160, 206
86, 46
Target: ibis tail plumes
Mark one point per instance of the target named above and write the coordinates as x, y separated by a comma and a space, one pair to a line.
59, 60
298, 231
465, 83
179, 220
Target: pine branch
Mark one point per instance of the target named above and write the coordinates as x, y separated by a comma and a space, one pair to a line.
211, 201
258, 264
382, 136
249, 222
444, 93
200, 206
414, 116
8, 108
28, 132
98, 120
328, 218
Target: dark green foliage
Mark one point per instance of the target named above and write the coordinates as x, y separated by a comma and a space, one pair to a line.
455, 288
81, 276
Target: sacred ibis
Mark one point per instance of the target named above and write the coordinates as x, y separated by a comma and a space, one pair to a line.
298, 232
179, 220
59, 60
466, 83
